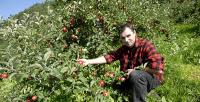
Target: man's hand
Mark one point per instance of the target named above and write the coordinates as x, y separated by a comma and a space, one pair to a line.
128, 72
83, 62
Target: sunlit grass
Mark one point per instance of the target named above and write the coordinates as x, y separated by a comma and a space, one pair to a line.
182, 78
190, 72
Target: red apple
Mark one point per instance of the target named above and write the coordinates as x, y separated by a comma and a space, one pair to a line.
105, 93
30, 77
65, 46
112, 74
109, 74
121, 79
101, 83
74, 37
65, 29
94, 73
101, 18
28, 100
34, 98
72, 21
4, 75
78, 29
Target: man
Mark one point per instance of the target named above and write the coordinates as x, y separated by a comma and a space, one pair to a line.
134, 52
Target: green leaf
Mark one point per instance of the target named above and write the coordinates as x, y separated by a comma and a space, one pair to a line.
20, 77
40, 94
12, 75
70, 80
86, 84
63, 87
57, 92
83, 79
4, 64
72, 70
48, 54
36, 65
56, 73
163, 99
11, 60
64, 69
16, 99
92, 83
111, 99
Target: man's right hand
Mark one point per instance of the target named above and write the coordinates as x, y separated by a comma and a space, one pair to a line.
83, 62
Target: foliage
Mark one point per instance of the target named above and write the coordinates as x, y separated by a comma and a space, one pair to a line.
186, 11
43, 48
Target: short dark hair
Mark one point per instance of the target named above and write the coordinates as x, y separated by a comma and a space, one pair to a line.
122, 27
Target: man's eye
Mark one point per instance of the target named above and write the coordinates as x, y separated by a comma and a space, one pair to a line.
128, 36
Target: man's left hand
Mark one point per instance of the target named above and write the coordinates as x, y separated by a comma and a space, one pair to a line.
129, 71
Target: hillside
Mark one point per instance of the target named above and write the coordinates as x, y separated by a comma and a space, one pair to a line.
40, 46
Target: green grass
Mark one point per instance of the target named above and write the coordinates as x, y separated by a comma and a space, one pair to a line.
182, 78
190, 72
183, 75
181, 85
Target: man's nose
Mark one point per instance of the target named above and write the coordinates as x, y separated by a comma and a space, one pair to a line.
126, 39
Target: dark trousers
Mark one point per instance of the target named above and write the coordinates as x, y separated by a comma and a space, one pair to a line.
140, 83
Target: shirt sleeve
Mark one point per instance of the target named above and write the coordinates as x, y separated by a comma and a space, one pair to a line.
154, 59
113, 55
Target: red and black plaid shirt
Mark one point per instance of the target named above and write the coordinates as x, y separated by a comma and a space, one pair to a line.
142, 52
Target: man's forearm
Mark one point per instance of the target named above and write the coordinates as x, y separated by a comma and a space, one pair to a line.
99, 60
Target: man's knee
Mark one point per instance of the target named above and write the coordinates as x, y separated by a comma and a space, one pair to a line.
136, 77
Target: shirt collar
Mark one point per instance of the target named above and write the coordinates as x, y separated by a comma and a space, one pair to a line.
137, 41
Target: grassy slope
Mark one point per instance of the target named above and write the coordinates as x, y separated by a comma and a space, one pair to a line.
182, 76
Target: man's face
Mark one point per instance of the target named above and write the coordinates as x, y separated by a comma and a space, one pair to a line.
128, 37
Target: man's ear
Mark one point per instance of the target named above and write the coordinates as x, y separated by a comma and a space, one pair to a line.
120, 40
134, 32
